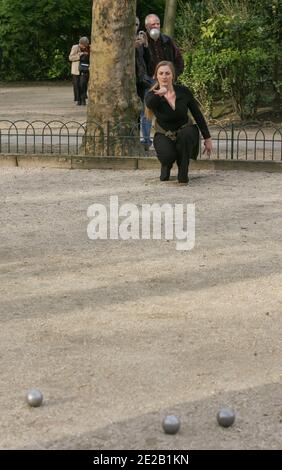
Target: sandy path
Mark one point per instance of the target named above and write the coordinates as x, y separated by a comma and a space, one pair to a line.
118, 333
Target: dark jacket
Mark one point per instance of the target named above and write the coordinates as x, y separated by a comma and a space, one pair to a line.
173, 119
143, 80
169, 51
84, 63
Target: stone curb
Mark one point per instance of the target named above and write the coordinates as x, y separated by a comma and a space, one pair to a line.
128, 163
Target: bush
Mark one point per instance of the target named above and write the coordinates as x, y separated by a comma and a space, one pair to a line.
239, 75
201, 75
244, 76
36, 37
231, 60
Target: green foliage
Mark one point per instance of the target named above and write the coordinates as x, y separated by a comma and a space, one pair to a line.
232, 50
59, 65
244, 75
201, 76
188, 23
145, 7
36, 37
231, 30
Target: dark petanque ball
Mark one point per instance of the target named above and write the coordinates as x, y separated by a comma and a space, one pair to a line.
171, 424
34, 397
225, 417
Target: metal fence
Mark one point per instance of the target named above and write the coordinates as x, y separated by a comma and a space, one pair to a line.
74, 138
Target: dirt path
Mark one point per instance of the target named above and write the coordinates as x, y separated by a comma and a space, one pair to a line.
45, 102
118, 333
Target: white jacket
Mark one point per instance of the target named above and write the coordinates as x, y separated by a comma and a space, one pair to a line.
74, 59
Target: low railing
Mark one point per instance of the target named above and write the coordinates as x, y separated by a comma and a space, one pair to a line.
248, 143
73, 138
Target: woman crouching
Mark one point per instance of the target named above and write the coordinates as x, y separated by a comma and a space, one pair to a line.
175, 139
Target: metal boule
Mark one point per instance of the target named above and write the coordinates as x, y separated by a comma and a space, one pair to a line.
34, 398
225, 417
171, 424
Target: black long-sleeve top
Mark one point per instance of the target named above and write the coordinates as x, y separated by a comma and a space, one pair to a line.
170, 119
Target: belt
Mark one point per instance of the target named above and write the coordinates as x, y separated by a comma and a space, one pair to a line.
170, 134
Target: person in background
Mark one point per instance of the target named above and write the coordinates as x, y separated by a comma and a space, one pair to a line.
160, 47
175, 140
143, 81
140, 66
79, 58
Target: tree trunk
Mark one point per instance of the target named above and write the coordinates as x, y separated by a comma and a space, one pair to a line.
169, 19
113, 105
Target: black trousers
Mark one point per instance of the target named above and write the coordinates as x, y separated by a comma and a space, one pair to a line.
76, 91
84, 77
80, 83
179, 150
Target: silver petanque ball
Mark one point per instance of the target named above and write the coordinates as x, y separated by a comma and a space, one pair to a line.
34, 397
171, 424
225, 417
155, 34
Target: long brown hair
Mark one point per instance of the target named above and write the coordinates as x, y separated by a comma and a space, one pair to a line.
148, 112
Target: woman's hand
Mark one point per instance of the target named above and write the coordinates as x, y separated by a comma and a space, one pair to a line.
208, 146
161, 91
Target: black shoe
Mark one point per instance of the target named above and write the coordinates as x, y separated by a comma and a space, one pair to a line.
78, 103
83, 102
165, 173
183, 182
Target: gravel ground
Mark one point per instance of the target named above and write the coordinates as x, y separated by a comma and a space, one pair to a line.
117, 334
40, 102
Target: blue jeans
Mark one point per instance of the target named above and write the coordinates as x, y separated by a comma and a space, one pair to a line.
146, 129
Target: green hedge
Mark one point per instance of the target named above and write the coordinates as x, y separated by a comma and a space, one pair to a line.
36, 36
232, 52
